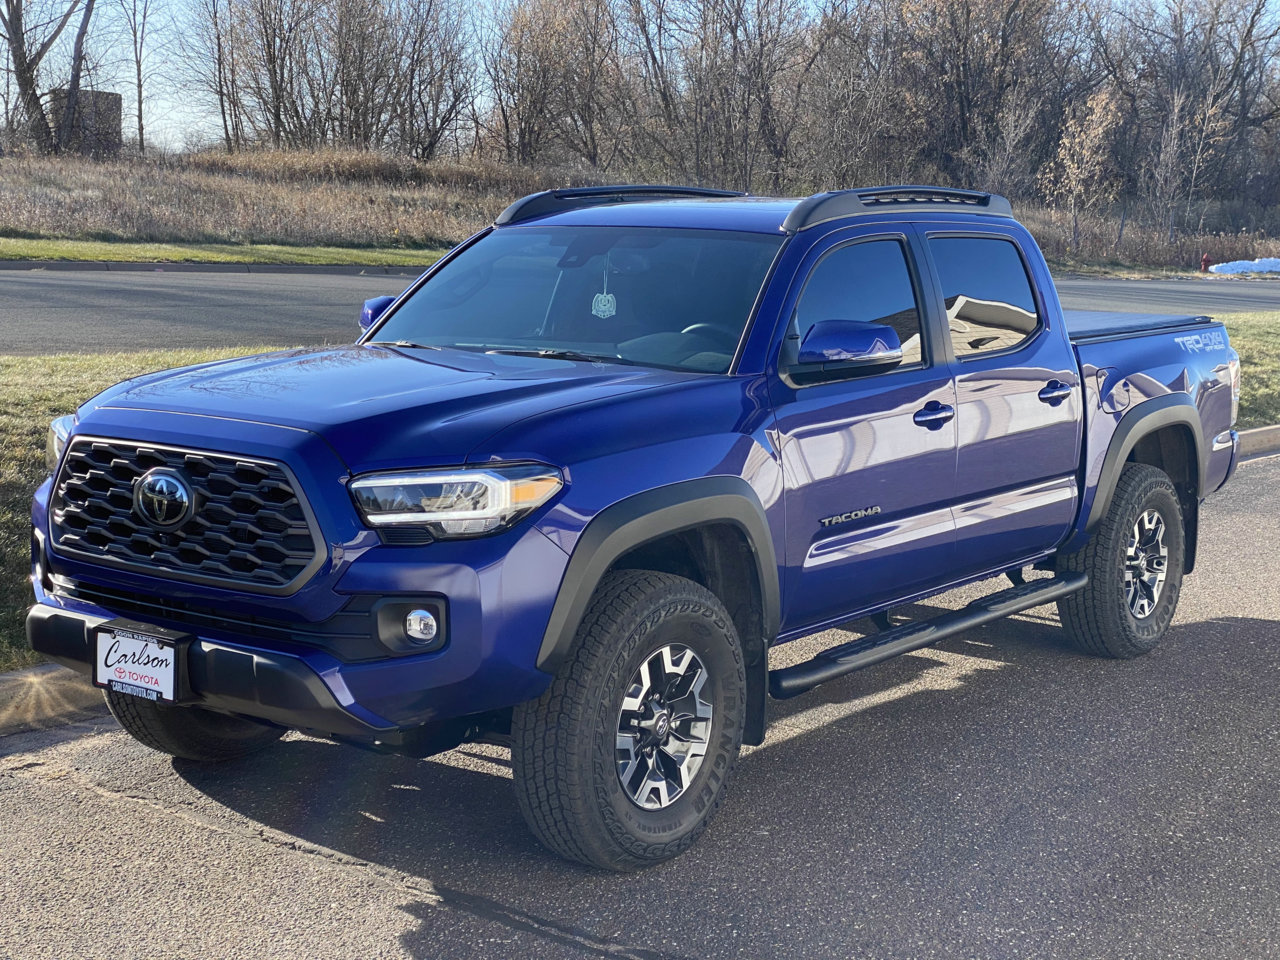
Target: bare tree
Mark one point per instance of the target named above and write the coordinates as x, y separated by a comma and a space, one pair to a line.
1158, 106
138, 21
591, 104
1083, 174
436, 81
1166, 169
208, 47
518, 54
30, 33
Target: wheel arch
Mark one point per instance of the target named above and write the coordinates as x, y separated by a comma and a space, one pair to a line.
1163, 432
712, 531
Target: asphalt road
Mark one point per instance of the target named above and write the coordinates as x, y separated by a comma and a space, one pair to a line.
1222, 295
96, 311
998, 796
45, 311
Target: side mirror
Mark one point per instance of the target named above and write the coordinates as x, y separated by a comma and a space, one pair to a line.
836, 345
373, 309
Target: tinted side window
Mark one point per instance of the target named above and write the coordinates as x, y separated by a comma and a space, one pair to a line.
868, 282
990, 305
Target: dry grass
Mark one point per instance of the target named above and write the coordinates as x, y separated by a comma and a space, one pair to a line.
350, 199
328, 198
1143, 250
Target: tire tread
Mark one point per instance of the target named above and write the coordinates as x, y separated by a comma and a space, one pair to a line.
553, 795
1093, 620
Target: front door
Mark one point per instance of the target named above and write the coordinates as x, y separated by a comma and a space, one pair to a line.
868, 460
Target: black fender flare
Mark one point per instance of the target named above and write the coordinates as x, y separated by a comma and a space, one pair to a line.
657, 513
1144, 419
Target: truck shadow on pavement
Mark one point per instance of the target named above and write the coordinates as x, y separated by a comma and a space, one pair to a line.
999, 785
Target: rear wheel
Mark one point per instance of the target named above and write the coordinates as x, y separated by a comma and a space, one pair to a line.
623, 761
189, 732
1134, 561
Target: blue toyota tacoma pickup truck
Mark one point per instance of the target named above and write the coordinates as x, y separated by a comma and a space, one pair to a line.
571, 486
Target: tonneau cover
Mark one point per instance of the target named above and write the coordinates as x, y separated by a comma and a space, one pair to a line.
1100, 324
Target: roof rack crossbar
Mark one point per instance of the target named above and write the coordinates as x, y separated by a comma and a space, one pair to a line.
571, 198
837, 204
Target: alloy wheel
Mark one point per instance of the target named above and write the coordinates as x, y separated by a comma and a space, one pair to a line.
1146, 564
664, 727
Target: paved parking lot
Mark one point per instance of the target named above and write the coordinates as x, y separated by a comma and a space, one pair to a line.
999, 796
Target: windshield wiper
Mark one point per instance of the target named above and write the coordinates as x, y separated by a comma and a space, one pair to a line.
556, 353
400, 343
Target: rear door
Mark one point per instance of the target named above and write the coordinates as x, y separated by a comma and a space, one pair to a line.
1019, 399
868, 461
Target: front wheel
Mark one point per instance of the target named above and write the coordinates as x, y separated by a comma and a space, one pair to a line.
622, 762
1134, 561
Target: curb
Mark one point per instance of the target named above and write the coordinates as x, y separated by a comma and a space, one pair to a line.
1259, 442
98, 266
45, 696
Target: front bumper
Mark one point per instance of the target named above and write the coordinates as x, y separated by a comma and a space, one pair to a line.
258, 683
497, 612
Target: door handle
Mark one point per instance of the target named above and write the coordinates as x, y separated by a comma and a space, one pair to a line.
933, 415
1055, 392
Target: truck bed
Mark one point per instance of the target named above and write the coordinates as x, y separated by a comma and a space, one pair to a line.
1086, 326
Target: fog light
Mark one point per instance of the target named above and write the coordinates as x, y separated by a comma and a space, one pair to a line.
420, 626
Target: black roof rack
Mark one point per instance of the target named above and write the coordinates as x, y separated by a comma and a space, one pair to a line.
823, 207
556, 201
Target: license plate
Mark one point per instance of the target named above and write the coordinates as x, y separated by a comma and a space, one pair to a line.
127, 661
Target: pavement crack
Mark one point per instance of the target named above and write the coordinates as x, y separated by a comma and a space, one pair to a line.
23, 766
485, 909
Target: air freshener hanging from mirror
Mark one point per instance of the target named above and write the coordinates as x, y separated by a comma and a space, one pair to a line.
604, 305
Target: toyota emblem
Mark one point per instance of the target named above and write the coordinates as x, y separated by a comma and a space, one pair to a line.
163, 498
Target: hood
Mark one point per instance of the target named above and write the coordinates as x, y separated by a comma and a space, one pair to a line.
381, 406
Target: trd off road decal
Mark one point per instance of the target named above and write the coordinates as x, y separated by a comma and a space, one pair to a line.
1202, 342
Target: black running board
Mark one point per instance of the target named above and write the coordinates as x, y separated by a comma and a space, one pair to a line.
868, 651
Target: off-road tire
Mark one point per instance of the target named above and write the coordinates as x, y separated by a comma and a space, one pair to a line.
1098, 618
564, 743
189, 732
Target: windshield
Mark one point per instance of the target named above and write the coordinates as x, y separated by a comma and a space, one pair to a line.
645, 295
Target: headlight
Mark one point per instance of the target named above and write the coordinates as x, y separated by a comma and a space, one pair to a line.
56, 441
456, 503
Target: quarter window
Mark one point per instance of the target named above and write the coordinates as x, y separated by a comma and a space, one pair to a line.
864, 281
990, 305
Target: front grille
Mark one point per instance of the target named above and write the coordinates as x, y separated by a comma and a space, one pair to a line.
248, 527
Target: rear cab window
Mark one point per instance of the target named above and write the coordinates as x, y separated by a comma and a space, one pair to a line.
990, 304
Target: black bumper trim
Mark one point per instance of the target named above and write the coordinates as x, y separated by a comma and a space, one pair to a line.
253, 683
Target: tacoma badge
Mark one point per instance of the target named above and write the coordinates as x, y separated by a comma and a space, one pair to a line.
851, 515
